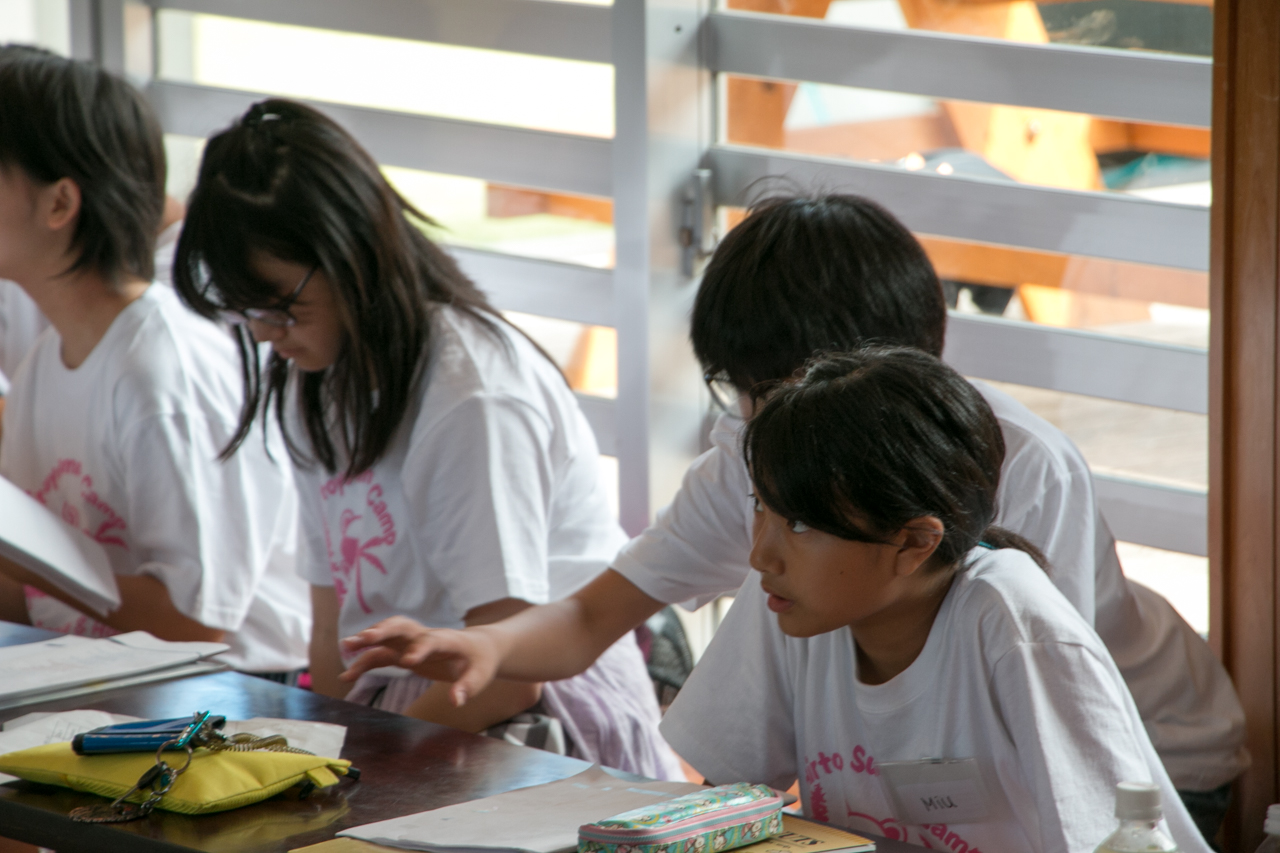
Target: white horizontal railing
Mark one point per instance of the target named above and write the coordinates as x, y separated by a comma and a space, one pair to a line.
538, 27
1105, 225
1124, 84
540, 159
1131, 371
549, 288
1168, 517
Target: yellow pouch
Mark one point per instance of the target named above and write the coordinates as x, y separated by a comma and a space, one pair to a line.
215, 781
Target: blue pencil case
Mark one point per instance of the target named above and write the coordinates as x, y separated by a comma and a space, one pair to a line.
709, 821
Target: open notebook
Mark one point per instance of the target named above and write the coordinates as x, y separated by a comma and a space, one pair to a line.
38, 540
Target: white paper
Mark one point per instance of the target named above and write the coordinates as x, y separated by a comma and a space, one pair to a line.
38, 540
936, 790
70, 661
43, 728
321, 738
540, 819
59, 722
144, 640
958, 801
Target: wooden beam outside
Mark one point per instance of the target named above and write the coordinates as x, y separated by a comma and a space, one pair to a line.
1244, 434
1106, 136
1175, 2
756, 109
1004, 266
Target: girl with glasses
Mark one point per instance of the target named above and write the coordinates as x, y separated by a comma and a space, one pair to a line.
445, 470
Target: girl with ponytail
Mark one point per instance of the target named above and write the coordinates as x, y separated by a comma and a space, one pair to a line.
910, 664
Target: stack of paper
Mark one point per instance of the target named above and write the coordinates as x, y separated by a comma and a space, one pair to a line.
72, 666
541, 819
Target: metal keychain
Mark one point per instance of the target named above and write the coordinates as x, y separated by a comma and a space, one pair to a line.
161, 776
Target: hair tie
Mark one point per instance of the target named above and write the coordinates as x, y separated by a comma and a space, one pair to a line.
987, 545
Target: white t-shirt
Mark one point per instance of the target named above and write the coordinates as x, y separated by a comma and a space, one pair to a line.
699, 546
491, 489
125, 447
1010, 676
21, 321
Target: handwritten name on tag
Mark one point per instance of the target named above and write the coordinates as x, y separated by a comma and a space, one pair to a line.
943, 802
936, 790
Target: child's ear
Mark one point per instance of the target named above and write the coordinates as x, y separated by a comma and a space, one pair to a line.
917, 541
60, 204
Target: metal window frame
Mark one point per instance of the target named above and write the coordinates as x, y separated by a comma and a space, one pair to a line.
1105, 225
652, 425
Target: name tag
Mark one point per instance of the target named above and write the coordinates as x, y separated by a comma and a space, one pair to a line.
936, 790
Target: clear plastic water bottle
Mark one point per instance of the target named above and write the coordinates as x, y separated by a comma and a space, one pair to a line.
1272, 829
1138, 807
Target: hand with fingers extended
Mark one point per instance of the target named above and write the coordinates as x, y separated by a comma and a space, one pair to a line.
466, 657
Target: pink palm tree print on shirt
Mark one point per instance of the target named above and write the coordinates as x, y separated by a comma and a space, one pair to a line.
354, 555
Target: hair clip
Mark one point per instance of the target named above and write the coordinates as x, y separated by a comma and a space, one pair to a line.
258, 115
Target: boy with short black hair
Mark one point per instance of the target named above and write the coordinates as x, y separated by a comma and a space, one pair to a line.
116, 418
778, 289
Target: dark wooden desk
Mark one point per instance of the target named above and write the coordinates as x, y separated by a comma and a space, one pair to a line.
407, 766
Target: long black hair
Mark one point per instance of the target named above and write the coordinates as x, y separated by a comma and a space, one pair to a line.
288, 181
62, 118
866, 441
809, 274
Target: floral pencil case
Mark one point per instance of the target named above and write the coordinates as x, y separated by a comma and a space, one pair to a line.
709, 821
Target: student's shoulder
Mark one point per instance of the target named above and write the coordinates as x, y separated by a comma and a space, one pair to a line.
723, 458
157, 320
1013, 601
1030, 439
477, 357
166, 352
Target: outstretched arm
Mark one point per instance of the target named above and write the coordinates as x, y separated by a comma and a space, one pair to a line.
500, 700
544, 643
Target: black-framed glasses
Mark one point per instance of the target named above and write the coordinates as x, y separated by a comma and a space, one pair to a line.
723, 392
277, 315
